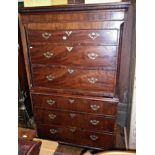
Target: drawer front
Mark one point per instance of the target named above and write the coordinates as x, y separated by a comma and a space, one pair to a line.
72, 16
75, 104
74, 36
85, 121
76, 136
91, 56
71, 78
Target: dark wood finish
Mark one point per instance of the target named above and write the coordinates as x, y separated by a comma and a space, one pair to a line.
25, 52
21, 66
25, 133
75, 119
80, 137
107, 107
59, 74
80, 7
73, 25
81, 79
109, 16
104, 37
105, 56
74, 92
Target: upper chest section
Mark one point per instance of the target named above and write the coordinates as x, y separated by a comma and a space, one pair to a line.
90, 26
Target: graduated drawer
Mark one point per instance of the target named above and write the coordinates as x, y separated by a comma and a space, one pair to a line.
73, 78
105, 56
76, 136
74, 36
79, 120
105, 107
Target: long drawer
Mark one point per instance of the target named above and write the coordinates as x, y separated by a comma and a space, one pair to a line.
104, 37
76, 136
81, 104
91, 56
81, 16
84, 121
73, 78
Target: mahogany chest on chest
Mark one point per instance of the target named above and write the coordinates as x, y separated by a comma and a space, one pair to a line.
72, 55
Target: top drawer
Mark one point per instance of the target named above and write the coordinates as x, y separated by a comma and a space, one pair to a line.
81, 16
104, 37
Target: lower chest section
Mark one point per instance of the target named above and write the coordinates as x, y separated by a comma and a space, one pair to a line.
84, 121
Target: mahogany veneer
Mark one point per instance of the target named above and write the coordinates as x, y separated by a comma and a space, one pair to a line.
71, 78
106, 107
76, 136
65, 54
75, 119
72, 56
107, 37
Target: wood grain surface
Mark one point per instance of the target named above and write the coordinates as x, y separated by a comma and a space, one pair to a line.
76, 52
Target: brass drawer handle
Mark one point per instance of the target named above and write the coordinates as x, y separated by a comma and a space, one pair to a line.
52, 116
92, 80
72, 130
70, 71
50, 102
94, 107
68, 33
69, 49
71, 100
93, 137
94, 122
46, 35
93, 35
92, 56
50, 77
48, 55
53, 131
72, 115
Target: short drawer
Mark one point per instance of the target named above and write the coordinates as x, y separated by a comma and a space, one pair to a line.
104, 37
84, 121
103, 106
74, 78
76, 136
88, 56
